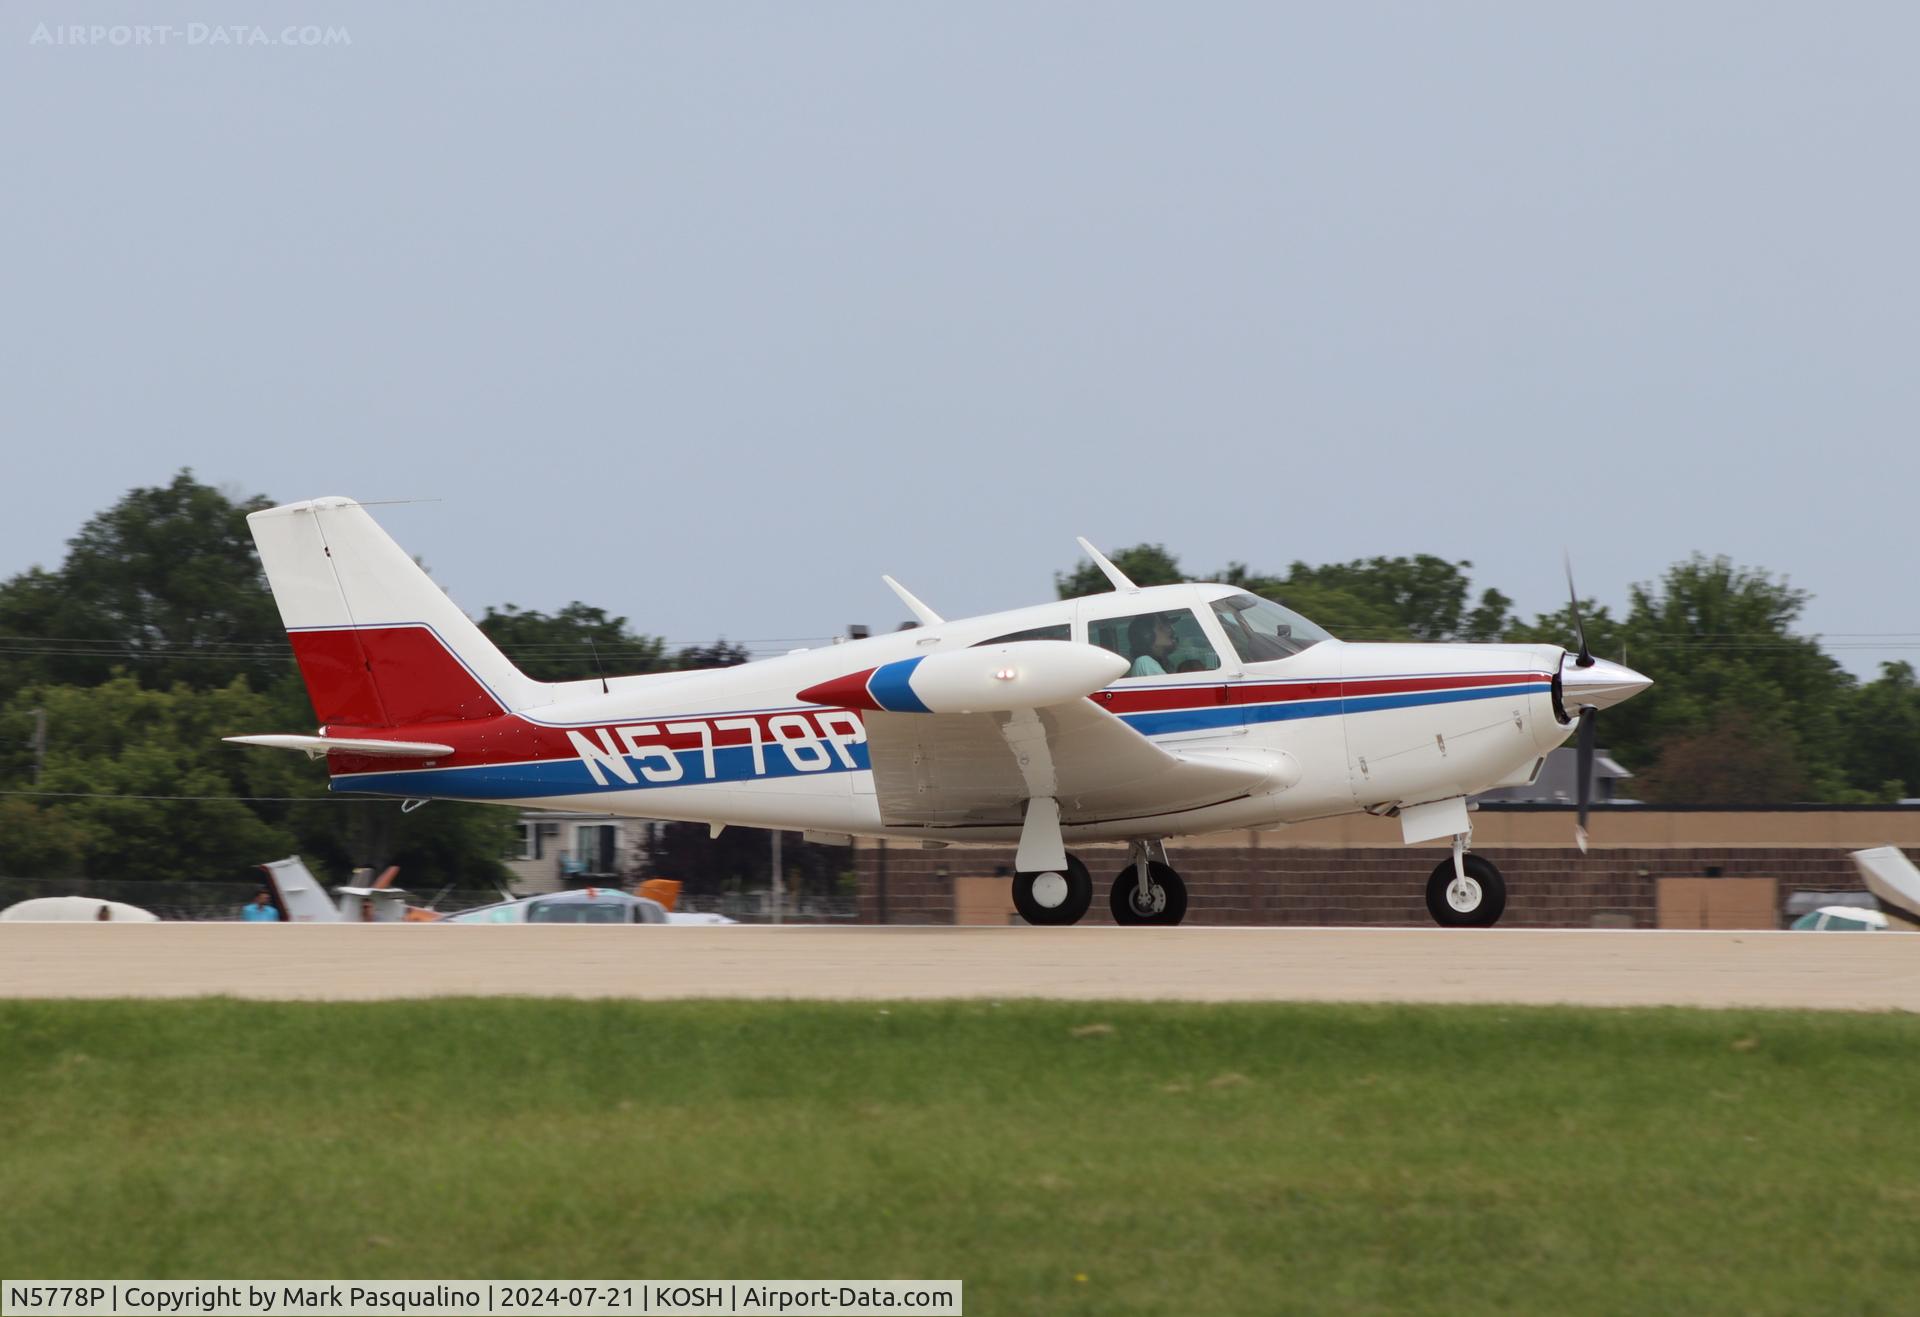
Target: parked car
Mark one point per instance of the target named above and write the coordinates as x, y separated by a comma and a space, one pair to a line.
1841, 919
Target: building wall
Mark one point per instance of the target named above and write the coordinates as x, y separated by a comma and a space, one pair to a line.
549, 872
1337, 877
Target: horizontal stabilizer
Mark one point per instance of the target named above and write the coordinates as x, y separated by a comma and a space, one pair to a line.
318, 747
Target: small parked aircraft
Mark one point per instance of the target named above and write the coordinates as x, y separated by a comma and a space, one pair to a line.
1134, 716
303, 900
1894, 882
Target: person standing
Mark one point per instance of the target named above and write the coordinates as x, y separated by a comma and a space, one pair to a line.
261, 911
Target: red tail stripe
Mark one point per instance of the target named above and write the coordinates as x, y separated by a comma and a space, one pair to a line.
387, 677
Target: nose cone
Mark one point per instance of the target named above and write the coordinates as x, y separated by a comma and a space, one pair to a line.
1600, 686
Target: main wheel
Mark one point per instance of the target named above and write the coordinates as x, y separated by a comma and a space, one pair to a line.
1166, 901
1477, 901
1054, 898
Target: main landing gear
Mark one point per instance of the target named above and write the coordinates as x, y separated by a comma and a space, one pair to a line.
1466, 890
1052, 898
1147, 891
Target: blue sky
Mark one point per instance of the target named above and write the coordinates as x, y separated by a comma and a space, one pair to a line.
710, 314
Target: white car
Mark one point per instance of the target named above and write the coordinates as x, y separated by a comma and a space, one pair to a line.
1841, 919
588, 905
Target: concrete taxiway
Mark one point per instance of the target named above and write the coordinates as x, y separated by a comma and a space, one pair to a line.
1873, 971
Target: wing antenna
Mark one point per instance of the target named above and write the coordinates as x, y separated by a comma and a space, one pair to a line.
926, 615
1100, 560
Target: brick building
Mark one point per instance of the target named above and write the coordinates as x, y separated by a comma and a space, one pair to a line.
1646, 868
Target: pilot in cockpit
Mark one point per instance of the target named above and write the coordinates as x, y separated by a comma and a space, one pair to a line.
1150, 637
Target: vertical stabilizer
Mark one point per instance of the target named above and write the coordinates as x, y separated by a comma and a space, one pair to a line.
1894, 882
378, 643
301, 895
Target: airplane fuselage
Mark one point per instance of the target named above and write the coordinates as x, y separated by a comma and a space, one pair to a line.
1349, 726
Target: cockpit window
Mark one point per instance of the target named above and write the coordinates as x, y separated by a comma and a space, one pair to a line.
1261, 630
1061, 632
1156, 643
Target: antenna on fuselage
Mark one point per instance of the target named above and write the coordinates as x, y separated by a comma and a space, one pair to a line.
596, 664
1100, 560
926, 615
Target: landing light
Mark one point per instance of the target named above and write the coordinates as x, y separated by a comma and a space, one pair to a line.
1006, 674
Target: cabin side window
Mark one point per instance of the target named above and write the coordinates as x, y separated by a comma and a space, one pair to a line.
1156, 644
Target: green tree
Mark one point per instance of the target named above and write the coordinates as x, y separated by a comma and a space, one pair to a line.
1144, 564
722, 653
1728, 671
165, 583
156, 636
1425, 595
41, 840
577, 642
1726, 762
150, 784
1347, 615
1882, 722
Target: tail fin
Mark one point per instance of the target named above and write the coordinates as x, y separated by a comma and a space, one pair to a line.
1894, 882
378, 643
302, 898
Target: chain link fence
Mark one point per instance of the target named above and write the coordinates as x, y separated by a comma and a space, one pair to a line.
222, 901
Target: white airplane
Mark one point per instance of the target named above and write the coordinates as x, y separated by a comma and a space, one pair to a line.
304, 900
1894, 882
1134, 716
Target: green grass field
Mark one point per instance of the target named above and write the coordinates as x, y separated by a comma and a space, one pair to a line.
1056, 1157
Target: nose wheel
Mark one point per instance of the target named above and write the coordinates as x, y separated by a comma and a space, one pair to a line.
1054, 898
1474, 897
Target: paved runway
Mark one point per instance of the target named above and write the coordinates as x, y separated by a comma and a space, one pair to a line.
1873, 971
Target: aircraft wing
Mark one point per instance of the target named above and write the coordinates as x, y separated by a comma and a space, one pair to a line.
963, 769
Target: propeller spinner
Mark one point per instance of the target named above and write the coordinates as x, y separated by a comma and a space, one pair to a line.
1588, 685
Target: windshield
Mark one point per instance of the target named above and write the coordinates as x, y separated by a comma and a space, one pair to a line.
1261, 630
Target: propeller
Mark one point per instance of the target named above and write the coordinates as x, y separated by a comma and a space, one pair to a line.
1583, 745
1585, 659
1583, 756
1586, 686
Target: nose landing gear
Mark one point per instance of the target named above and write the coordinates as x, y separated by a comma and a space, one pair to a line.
1466, 893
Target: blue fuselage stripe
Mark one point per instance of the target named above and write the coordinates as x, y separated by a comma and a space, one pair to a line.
737, 763
1165, 722
572, 777
892, 690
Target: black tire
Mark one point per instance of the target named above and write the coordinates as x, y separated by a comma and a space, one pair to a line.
1079, 897
1170, 887
1486, 882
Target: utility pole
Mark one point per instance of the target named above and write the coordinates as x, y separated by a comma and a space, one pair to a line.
39, 743
777, 884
